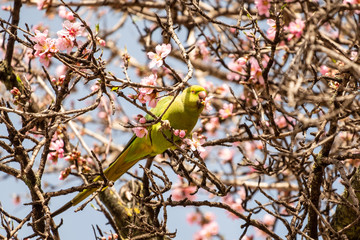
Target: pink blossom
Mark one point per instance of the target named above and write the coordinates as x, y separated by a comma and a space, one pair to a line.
40, 37
16, 199
157, 59
202, 52
102, 114
209, 217
101, 41
268, 220
40, 27
57, 150
64, 13
194, 217
353, 55
324, 70
237, 66
346, 136
250, 148
209, 86
196, 142
63, 42
41, 4
234, 204
151, 98
263, 7
207, 231
222, 90
75, 157
140, 118
6, 8
147, 94
207, 103
246, 237
180, 133
351, 1
150, 81
67, 37
60, 70
271, 32
140, 131
15, 91
72, 30
58, 81
255, 71
226, 111
95, 87
226, 154
212, 125
283, 122
179, 193
65, 173
295, 28
45, 47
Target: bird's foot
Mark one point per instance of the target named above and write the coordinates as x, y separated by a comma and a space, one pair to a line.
165, 124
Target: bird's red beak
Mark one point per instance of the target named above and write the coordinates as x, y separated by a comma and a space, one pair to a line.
202, 97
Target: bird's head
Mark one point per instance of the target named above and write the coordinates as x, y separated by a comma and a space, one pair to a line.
194, 97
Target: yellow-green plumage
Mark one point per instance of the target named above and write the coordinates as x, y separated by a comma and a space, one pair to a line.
182, 114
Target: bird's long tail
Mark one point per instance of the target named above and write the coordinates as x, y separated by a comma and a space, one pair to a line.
112, 173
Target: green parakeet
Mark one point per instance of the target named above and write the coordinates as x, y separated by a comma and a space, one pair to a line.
182, 114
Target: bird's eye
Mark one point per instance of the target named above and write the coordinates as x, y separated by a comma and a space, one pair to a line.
193, 91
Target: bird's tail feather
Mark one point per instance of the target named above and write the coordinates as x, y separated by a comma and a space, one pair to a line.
113, 172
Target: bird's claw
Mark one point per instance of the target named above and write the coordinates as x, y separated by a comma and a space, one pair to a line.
165, 124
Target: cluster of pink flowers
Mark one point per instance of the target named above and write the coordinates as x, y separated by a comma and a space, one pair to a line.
75, 159
148, 94
140, 131
238, 67
46, 48
157, 59
326, 71
209, 227
295, 28
56, 150
195, 142
58, 81
180, 133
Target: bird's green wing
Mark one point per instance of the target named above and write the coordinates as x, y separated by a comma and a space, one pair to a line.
160, 107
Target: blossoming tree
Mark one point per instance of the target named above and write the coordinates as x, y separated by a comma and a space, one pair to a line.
275, 151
